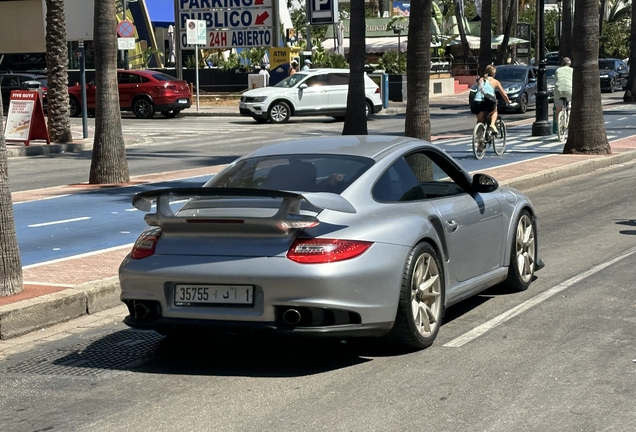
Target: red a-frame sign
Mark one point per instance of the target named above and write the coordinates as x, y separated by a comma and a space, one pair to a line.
25, 120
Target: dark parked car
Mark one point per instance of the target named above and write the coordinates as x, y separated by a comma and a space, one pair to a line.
613, 73
17, 81
141, 91
519, 82
550, 80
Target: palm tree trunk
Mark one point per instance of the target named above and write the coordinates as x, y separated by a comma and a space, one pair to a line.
566, 29
108, 164
418, 71
462, 33
355, 117
630, 93
587, 127
507, 31
10, 262
59, 122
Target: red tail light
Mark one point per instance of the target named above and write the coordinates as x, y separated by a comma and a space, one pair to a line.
166, 87
145, 245
316, 251
377, 90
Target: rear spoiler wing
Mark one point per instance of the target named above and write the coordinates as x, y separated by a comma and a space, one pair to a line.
287, 216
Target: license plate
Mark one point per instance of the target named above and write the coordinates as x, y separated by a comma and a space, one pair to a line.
186, 295
183, 101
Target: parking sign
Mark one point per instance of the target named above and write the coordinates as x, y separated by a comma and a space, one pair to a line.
323, 12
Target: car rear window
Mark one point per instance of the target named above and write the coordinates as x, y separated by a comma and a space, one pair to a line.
303, 173
163, 77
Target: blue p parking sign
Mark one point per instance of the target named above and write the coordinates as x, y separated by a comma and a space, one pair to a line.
323, 12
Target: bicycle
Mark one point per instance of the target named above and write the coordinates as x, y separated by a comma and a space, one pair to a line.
563, 121
483, 137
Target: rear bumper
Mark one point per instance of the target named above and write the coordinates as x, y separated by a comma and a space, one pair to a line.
176, 104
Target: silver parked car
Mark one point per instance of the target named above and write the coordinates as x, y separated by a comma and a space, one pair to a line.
340, 236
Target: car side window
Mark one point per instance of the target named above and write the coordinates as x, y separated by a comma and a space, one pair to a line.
316, 81
338, 79
127, 78
416, 177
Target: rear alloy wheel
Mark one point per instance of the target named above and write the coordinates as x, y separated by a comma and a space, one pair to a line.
279, 112
170, 113
523, 255
368, 110
74, 107
523, 104
143, 108
421, 305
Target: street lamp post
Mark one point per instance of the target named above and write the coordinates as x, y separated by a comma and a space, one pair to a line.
398, 31
541, 126
125, 6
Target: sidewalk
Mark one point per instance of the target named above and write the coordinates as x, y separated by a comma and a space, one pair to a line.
66, 289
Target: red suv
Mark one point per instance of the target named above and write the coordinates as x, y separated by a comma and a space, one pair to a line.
141, 91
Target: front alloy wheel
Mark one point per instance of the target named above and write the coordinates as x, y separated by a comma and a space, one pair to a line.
523, 104
421, 305
279, 112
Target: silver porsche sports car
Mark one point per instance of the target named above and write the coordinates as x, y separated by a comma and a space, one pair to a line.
341, 236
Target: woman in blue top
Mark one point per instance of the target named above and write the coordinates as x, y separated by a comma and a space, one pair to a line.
481, 106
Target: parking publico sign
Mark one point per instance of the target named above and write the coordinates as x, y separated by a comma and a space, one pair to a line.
322, 12
229, 23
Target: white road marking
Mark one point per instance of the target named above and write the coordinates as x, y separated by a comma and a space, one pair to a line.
58, 222
97, 252
489, 325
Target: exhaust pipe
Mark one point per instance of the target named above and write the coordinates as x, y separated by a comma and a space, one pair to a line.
142, 311
291, 317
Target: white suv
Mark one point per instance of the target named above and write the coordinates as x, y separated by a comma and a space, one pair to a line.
307, 93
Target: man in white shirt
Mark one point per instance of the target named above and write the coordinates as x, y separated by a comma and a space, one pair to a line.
307, 65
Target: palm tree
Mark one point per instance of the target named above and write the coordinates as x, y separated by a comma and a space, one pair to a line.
10, 264
485, 48
507, 31
109, 164
418, 71
355, 117
630, 93
587, 128
59, 123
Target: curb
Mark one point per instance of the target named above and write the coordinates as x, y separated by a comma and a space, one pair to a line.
33, 314
77, 146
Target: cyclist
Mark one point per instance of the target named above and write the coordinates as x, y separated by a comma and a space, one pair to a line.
485, 102
563, 84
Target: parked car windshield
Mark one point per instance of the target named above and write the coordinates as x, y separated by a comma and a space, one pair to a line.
305, 173
510, 74
292, 80
606, 64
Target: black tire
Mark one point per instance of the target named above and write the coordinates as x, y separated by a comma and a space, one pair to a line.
612, 85
479, 140
562, 127
499, 143
260, 119
75, 110
523, 254
523, 104
143, 108
279, 112
421, 306
170, 113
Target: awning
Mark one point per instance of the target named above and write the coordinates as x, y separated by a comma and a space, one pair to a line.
374, 45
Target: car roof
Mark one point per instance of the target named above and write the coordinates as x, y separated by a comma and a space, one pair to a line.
371, 146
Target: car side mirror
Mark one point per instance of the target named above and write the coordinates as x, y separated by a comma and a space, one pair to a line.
532, 80
484, 183
302, 86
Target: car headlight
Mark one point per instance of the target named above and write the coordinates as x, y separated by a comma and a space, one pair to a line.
513, 89
259, 98
605, 76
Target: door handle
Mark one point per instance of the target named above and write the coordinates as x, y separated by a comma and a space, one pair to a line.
451, 225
